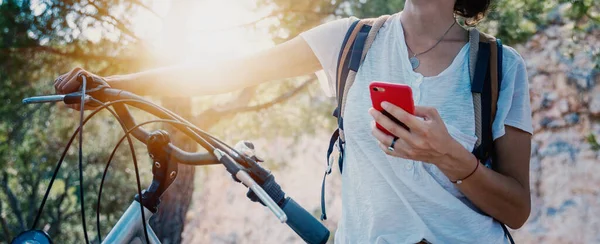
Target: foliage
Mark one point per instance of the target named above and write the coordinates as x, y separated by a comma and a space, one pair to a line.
513, 21
591, 139
37, 42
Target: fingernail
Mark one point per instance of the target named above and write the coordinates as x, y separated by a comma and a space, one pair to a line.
385, 105
372, 112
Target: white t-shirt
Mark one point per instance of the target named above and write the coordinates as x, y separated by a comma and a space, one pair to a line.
387, 199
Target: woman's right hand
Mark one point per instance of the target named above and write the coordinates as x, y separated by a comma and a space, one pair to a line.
70, 82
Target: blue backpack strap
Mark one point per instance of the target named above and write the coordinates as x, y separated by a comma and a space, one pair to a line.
352, 62
347, 58
500, 53
340, 83
482, 83
353, 50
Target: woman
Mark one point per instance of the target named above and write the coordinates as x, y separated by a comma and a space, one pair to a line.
405, 195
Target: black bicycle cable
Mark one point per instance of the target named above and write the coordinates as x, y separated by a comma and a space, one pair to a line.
105, 106
81, 196
133, 156
195, 130
59, 164
172, 122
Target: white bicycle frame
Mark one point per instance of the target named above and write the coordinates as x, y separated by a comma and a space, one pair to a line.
129, 227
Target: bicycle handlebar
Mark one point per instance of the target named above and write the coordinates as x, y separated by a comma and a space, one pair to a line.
183, 157
109, 94
302, 222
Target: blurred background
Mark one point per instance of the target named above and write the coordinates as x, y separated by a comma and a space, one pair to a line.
289, 121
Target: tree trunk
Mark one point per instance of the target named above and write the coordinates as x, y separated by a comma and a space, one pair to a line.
169, 221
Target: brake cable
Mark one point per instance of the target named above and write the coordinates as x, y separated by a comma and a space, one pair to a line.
61, 160
81, 196
133, 156
195, 130
127, 133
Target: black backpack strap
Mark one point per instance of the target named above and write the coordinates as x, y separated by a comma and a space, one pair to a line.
481, 85
507, 233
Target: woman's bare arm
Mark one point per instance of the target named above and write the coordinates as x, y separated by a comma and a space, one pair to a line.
505, 193
289, 59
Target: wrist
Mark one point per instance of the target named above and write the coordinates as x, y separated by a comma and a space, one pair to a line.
111, 79
460, 180
458, 163
117, 81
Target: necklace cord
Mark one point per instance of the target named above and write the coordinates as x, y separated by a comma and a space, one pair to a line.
438, 42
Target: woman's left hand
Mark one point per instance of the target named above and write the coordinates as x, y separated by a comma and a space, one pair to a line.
427, 141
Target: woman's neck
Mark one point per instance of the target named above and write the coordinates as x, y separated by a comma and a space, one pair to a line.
429, 19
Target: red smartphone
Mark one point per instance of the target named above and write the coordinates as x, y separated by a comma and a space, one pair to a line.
397, 94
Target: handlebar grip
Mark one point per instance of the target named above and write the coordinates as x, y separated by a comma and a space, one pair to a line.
303, 223
73, 98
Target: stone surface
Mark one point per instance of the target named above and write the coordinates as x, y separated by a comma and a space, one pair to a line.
595, 102
565, 170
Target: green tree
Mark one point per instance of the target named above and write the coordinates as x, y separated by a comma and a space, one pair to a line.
513, 21
39, 40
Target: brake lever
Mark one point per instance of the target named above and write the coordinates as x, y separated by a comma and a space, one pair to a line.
249, 182
252, 162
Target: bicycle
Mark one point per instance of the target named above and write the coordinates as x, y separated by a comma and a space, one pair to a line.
243, 166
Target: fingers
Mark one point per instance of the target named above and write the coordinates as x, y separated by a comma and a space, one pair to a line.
408, 119
403, 144
71, 85
390, 125
78, 107
66, 78
73, 106
380, 136
69, 82
58, 81
428, 113
399, 150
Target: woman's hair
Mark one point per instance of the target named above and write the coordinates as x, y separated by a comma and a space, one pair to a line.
472, 10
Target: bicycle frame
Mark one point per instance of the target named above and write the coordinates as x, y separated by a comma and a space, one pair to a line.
129, 226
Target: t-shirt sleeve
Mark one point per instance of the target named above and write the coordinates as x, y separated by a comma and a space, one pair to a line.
326, 41
514, 107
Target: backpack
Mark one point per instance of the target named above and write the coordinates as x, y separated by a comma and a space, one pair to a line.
485, 66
